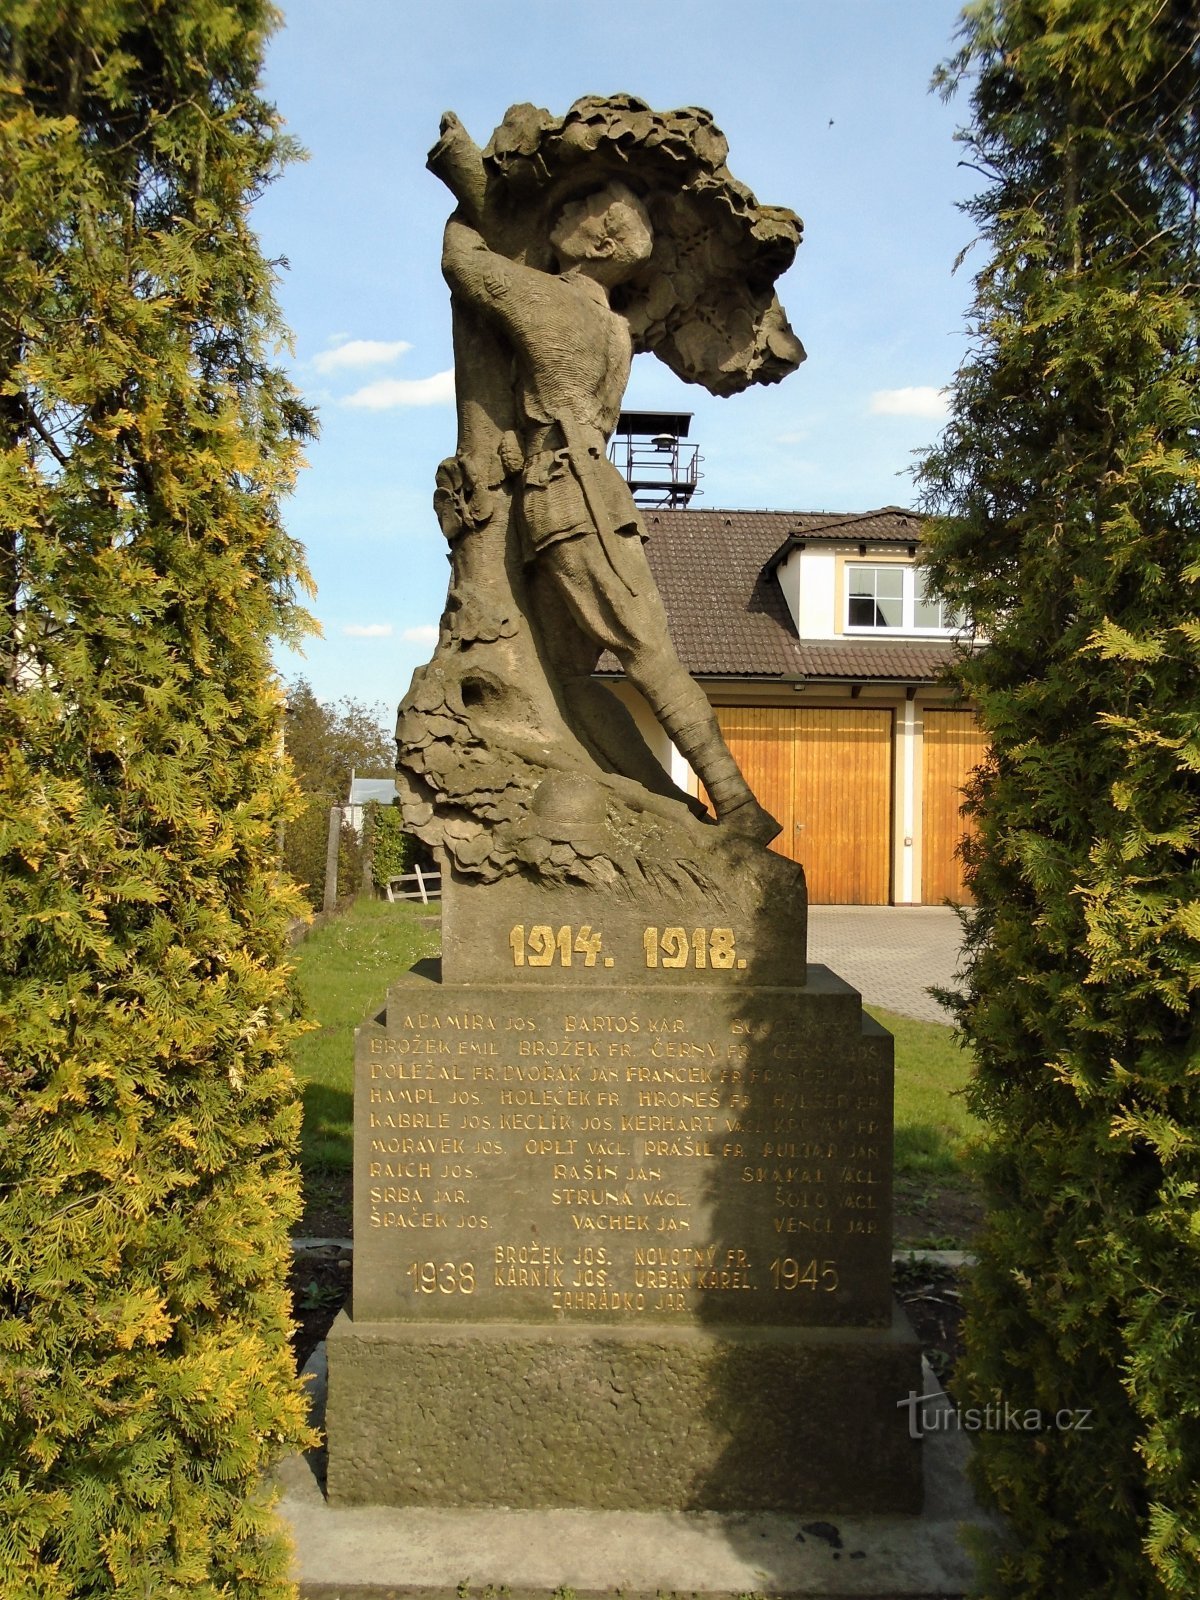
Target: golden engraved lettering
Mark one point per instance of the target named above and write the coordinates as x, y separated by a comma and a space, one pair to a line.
598, 1300
558, 1047
673, 1099
723, 1279
636, 1123
677, 1147
418, 1070
608, 1222
662, 1278
680, 1050
400, 1169
398, 1219
529, 1255
418, 1147
550, 1147
805, 1224
409, 1119
589, 1172
535, 1121
545, 1097
540, 1073
590, 1197
659, 1074
513, 1277
601, 1024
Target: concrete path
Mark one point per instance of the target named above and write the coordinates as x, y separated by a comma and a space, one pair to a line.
891, 954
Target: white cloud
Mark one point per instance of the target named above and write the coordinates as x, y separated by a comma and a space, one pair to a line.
368, 630
425, 634
795, 436
360, 353
387, 393
921, 401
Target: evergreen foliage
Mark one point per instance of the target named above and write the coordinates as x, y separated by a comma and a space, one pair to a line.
391, 848
1068, 485
148, 1113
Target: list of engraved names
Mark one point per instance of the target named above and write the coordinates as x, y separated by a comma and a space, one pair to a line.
593, 1161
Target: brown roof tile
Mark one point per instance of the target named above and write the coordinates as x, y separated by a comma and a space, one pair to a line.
728, 616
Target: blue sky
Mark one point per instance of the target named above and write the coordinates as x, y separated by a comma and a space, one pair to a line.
826, 109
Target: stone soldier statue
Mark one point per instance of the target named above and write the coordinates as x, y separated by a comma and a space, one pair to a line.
577, 242
591, 584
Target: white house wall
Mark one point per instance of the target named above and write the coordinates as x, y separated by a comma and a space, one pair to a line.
652, 732
808, 581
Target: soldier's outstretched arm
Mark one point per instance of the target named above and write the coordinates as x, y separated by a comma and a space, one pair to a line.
504, 290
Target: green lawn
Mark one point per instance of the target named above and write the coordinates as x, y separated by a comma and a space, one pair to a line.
344, 968
932, 1120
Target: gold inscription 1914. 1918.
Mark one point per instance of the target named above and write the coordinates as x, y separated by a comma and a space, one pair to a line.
668, 949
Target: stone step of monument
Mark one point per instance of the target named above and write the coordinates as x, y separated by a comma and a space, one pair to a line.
421, 1553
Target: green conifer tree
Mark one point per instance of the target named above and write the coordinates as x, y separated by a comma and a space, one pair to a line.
148, 1114
1068, 484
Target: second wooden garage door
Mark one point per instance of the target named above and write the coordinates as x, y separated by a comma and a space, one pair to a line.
827, 776
953, 746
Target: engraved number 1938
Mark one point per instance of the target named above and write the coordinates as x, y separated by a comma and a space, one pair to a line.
442, 1277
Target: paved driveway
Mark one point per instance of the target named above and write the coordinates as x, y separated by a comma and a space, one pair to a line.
891, 954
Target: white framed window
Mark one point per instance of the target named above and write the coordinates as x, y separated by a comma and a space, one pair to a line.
890, 597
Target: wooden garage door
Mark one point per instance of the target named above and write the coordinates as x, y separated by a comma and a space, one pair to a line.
827, 776
952, 746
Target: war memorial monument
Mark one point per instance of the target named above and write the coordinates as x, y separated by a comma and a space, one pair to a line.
622, 1158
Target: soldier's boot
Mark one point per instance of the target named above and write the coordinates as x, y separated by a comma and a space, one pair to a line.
698, 739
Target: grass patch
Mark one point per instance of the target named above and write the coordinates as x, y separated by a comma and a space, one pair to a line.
933, 1124
343, 970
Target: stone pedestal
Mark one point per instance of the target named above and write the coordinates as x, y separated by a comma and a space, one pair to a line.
622, 1230
640, 1418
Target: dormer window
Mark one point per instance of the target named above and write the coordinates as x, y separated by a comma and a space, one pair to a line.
892, 597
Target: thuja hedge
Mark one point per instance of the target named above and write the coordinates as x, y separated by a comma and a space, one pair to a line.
1068, 483
391, 847
147, 1109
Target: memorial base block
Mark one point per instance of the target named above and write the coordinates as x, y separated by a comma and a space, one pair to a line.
640, 1418
623, 1246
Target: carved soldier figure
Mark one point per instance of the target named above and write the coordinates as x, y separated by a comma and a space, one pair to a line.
590, 582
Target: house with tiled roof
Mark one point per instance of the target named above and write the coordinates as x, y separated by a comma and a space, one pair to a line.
823, 655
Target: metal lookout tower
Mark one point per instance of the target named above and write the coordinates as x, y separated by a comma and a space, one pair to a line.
648, 451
